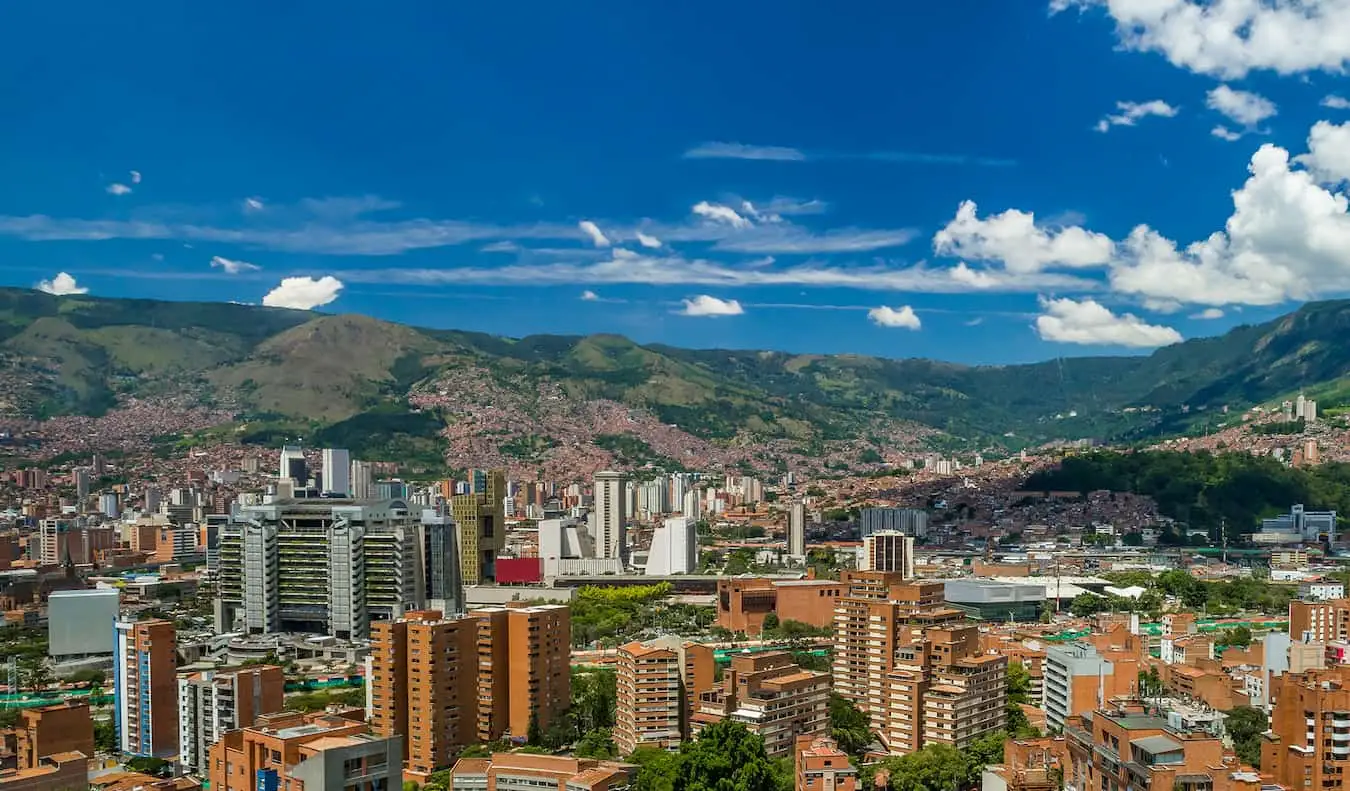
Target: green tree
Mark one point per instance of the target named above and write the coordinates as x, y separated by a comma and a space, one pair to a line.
534, 735
476, 751
34, 675
1245, 725
848, 725
598, 743
594, 699
725, 757
1240, 637
770, 623
105, 736
656, 769
1019, 683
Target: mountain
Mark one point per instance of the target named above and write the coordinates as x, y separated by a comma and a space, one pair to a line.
389, 389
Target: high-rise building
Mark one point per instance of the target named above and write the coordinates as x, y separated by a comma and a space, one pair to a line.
306, 752
82, 485
293, 465
773, 697
211, 703
1079, 677
337, 472
146, 688
423, 687
888, 550
610, 528
324, 566
656, 686
796, 529
1309, 741
942, 689
910, 521
444, 572
524, 670
674, 548
821, 766
481, 521
1319, 621
363, 480
693, 505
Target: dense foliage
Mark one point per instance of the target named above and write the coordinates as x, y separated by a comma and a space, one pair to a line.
849, 725
1215, 598
612, 616
1245, 725
939, 767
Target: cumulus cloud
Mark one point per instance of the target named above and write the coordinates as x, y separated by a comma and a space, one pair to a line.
593, 231
253, 204
1224, 133
1088, 322
1328, 157
61, 285
1015, 239
1208, 314
304, 293
743, 151
589, 296
1241, 107
135, 177
118, 189
648, 241
1229, 38
1335, 102
903, 317
1131, 112
719, 213
232, 267
704, 305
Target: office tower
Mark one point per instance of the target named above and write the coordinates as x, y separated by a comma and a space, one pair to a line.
363, 480
440, 542
821, 766
213, 702
796, 529
910, 521
79, 622
108, 505
146, 689
293, 466
423, 687
942, 689
610, 496
524, 669
337, 472
82, 484
657, 687
773, 697
1309, 741
481, 521
888, 550
318, 566
674, 548
306, 752
52, 730
152, 499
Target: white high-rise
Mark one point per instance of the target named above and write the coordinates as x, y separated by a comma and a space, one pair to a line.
796, 529
693, 505
674, 548
293, 465
362, 480
337, 472
610, 503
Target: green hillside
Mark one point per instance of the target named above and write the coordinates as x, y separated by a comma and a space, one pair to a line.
77, 355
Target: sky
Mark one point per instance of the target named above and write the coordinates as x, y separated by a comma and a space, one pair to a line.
974, 181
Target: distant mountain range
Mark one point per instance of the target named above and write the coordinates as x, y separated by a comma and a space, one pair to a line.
353, 378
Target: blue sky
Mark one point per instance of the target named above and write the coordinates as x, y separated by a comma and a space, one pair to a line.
758, 175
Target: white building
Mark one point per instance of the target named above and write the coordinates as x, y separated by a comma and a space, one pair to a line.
292, 465
888, 550
674, 548
1321, 590
80, 622
693, 506
610, 529
796, 529
337, 472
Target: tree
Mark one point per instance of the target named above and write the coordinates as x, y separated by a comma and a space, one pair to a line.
725, 757
34, 675
105, 736
598, 743
1135, 539
1019, 683
534, 735
1245, 725
656, 769
849, 726
594, 699
770, 622
1241, 637
476, 751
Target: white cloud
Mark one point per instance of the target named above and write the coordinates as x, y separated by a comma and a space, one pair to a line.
590, 296
786, 207
704, 305
303, 293
1131, 112
254, 204
1229, 38
135, 177
1241, 107
1088, 322
719, 213
61, 285
743, 151
648, 241
1328, 157
1224, 133
903, 317
232, 267
500, 247
1335, 102
592, 230
1208, 314
1015, 239
118, 189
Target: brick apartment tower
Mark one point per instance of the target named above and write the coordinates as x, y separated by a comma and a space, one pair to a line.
524, 668
1308, 745
146, 688
212, 703
423, 687
656, 687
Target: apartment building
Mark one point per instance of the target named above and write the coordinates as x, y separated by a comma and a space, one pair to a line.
524, 667
941, 689
1125, 747
60, 540
1080, 676
1308, 745
820, 765
657, 683
423, 687
1319, 621
146, 688
51, 730
297, 752
212, 702
888, 550
520, 772
772, 697
323, 566
481, 518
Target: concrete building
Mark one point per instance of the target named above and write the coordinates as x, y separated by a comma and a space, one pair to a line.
772, 697
444, 571
657, 683
52, 730
146, 688
523, 772
1321, 590
60, 541
1300, 525
1079, 678
296, 752
524, 668
481, 519
363, 480
674, 548
337, 472
796, 529
819, 765
610, 526
888, 550
1308, 744
323, 566
1319, 621
212, 703
292, 466
991, 600
743, 602
912, 522
423, 687
941, 689
79, 622
60, 772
